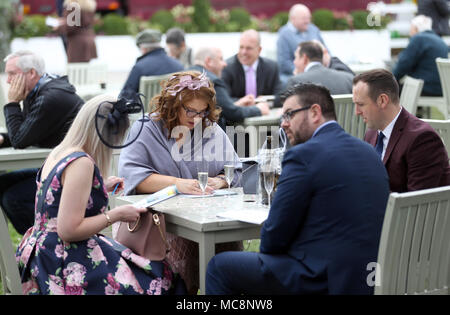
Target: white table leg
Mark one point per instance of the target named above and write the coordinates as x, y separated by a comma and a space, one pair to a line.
206, 252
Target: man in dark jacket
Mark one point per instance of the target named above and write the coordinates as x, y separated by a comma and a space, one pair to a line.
154, 60
211, 60
49, 106
438, 11
418, 59
247, 73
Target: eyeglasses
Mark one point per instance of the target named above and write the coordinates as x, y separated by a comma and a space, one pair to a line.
286, 117
192, 113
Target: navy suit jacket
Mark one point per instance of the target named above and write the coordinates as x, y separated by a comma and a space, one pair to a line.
418, 60
415, 156
325, 222
155, 62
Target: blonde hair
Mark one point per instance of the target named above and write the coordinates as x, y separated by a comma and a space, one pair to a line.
85, 5
83, 134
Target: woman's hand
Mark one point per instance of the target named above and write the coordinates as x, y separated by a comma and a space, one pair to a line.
191, 186
111, 183
126, 213
216, 183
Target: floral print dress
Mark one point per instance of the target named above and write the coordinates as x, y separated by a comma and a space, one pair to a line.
98, 265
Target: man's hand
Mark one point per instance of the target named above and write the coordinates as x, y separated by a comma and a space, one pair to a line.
247, 100
17, 90
264, 108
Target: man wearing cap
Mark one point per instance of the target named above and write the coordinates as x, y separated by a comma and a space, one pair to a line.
154, 60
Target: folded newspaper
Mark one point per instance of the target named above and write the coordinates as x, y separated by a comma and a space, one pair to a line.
157, 197
246, 215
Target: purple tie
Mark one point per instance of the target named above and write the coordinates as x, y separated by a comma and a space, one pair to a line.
250, 82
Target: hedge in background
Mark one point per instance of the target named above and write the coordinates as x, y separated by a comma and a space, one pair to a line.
31, 26
189, 19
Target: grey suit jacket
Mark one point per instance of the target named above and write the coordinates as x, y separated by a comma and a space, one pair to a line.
338, 82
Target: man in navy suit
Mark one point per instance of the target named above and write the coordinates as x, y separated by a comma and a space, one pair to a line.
325, 222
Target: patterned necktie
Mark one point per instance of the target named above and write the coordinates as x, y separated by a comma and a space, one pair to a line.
379, 145
250, 82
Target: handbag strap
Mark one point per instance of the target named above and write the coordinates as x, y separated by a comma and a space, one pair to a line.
157, 221
48, 179
158, 224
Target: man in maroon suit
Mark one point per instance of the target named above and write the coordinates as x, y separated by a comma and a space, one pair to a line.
412, 152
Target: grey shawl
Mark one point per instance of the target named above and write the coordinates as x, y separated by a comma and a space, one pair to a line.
153, 152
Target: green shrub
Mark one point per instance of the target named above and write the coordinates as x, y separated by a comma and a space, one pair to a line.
114, 24
360, 19
164, 18
341, 24
136, 25
201, 14
323, 19
183, 17
31, 26
278, 20
241, 17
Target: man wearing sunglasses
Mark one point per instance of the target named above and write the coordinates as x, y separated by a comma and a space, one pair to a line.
324, 225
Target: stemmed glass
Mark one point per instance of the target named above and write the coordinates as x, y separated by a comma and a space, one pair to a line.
229, 173
268, 183
269, 169
202, 175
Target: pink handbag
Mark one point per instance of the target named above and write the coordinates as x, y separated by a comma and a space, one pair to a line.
147, 237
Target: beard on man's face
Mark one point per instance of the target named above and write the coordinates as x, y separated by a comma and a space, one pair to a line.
303, 133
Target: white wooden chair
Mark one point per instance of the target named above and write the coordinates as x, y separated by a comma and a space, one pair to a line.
414, 251
442, 127
442, 103
412, 88
87, 78
9, 271
150, 86
346, 117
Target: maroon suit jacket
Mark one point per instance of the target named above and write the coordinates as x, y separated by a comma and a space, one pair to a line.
415, 156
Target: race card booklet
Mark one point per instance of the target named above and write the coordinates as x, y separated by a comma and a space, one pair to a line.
157, 197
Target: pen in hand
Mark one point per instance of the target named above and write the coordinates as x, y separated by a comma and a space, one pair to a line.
115, 188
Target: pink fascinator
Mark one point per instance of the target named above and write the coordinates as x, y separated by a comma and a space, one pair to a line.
186, 81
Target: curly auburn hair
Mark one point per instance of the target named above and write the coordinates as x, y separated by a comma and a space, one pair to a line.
167, 106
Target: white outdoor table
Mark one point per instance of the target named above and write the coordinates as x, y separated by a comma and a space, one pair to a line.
195, 219
14, 159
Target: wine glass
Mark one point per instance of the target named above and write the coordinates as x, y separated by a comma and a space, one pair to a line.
203, 181
229, 173
202, 175
269, 179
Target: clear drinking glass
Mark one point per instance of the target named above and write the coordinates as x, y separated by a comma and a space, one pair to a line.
269, 180
202, 175
229, 173
202, 180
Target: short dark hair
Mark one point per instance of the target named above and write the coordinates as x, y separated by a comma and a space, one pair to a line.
309, 94
379, 81
312, 50
175, 36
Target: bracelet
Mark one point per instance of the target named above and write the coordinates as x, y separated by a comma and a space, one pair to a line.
222, 177
108, 218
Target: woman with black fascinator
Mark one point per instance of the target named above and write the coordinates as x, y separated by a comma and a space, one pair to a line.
63, 253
